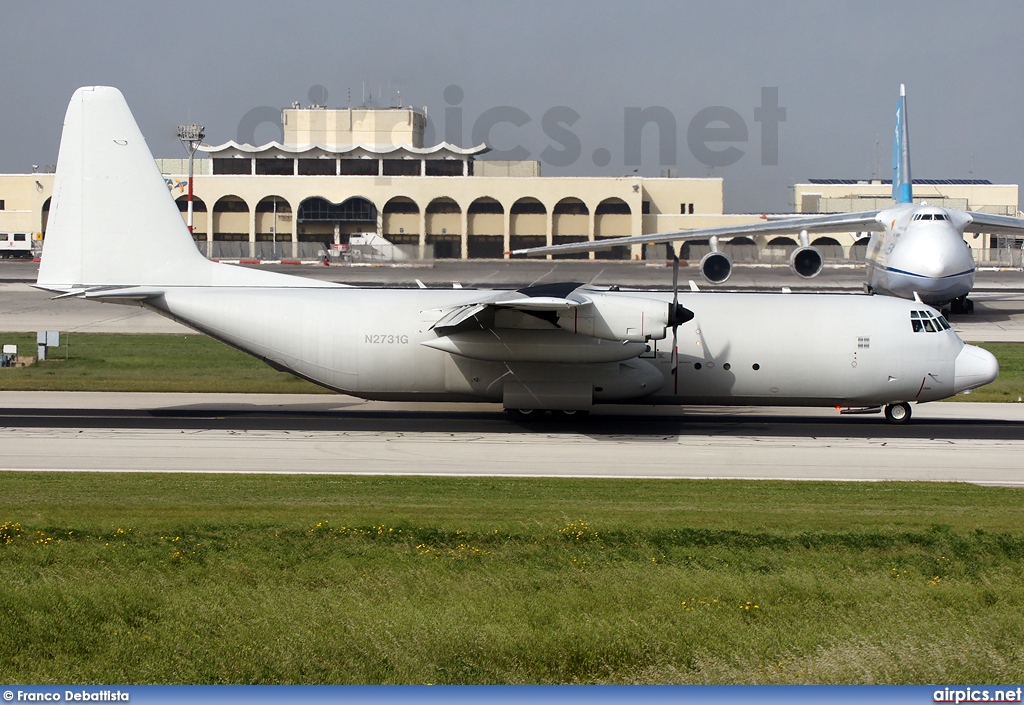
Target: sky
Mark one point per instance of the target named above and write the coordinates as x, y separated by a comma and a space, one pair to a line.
570, 83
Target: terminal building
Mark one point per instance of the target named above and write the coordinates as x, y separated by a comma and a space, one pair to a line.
342, 175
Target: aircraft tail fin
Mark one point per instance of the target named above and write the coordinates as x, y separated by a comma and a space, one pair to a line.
112, 221
902, 184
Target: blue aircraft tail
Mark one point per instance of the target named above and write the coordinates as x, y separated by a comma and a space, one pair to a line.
902, 190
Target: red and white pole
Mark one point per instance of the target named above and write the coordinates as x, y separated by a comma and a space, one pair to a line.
190, 194
191, 137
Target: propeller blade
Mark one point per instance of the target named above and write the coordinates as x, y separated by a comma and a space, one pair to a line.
674, 317
675, 277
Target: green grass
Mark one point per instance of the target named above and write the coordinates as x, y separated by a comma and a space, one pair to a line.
1009, 386
113, 578
195, 363
93, 362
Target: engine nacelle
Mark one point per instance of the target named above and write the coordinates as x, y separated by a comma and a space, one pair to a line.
618, 316
716, 267
806, 262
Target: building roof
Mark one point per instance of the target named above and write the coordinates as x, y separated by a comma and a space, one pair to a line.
923, 182
315, 151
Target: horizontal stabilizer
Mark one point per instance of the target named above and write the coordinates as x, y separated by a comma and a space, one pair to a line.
109, 292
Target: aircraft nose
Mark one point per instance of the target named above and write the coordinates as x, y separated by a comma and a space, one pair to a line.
973, 368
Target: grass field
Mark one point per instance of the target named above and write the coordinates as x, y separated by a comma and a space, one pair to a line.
195, 363
267, 579
146, 363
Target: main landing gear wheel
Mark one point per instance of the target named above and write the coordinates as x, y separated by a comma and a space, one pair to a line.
898, 413
525, 415
573, 415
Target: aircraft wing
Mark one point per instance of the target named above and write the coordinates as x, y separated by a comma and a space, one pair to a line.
837, 222
561, 323
987, 223
542, 299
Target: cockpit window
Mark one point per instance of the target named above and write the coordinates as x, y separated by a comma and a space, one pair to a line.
927, 322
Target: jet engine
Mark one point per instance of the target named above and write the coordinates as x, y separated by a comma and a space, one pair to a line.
805, 262
716, 267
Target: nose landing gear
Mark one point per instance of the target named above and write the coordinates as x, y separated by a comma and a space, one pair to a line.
897, 414
961, 305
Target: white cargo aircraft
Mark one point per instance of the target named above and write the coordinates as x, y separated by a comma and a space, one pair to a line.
116, 236
915, 250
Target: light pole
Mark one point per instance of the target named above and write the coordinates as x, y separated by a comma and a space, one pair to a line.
191, 137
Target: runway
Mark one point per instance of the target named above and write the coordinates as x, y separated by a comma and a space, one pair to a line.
62, 431
978, 443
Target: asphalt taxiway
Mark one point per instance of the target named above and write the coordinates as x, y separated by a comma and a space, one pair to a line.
67, 431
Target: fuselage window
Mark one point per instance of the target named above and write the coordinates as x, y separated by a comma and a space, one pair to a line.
928, 326
917, 325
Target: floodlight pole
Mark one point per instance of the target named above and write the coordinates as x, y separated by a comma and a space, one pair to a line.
191, 137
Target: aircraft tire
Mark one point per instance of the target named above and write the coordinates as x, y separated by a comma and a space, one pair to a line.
898, 414
525, 415
572, 416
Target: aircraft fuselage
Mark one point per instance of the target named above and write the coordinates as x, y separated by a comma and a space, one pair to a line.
765, 349
921, 250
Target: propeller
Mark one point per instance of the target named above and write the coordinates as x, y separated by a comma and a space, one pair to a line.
672, 319
676, 315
